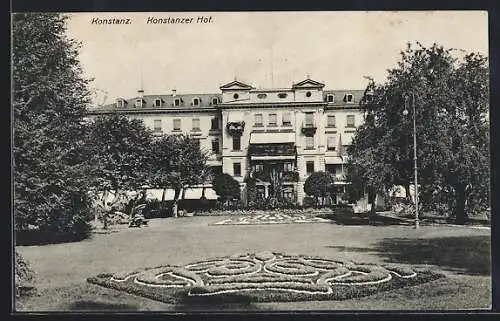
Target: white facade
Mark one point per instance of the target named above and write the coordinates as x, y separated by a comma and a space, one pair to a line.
304, 128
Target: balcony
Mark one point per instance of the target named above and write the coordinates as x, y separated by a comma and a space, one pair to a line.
309, 129
292, 176
235, 128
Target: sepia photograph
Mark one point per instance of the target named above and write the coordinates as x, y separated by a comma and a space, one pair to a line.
251, 161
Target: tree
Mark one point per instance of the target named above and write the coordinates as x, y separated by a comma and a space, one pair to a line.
49, 101
226, 187
451, 100
178, 163
120, 159
319, 184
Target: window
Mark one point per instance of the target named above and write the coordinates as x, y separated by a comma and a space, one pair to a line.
215, 146
196, 125
215, 123
158, 102
196, 101
196, 142
288, 167
259, 167
308, 94
237, 169
215, 101
216, 170
330, 143
261, 96
348, 98
309, 142
282, 95
310, 167
350, 121
288, 193
258, 120
330, 98
177, 102
330, 168
236, 96
309, 119
272, 120
330, 121
177, 124
236, 142
120, 103
138, 103
287, 119
369, 97
157, 125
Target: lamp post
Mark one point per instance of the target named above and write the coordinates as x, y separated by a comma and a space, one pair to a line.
405, 112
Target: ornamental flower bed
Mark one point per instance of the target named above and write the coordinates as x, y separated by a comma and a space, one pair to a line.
272, 218
264, 277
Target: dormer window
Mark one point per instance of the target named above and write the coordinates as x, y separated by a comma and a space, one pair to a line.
177, 102
369, 96
196, 101
121, 103
330, 98
261, 96
282, 95
139, 102
348, 98
215, 101
158, 102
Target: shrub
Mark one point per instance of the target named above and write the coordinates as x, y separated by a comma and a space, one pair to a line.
319, 184
61, 224
152, 209
226, 187
309, 202
24, 276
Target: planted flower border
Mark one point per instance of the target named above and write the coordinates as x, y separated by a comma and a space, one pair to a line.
264, 276
272, 218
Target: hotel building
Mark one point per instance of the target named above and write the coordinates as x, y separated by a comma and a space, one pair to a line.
247, 131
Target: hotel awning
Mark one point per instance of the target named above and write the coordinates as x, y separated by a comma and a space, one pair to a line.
191, 194
272, 138
334, 160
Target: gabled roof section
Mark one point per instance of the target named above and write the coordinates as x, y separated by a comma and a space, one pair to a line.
236, 85
308, 83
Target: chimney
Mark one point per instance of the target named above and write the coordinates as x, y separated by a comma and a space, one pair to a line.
174, 92
140, 93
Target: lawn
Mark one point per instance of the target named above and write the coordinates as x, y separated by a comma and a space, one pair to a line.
461, 253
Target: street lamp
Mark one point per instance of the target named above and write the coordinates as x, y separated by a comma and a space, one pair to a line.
405, 113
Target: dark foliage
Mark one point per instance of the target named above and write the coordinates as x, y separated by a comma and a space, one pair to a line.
51, 175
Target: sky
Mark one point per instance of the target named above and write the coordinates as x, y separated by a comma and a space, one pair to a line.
264, 49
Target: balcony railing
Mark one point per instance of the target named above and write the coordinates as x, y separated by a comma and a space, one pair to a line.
291, 176
308, 129
236, 128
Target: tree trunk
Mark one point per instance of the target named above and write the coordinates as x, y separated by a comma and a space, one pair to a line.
175, 205
105, 209
407, 191
203, 192
163, 205
460, 214
371, 200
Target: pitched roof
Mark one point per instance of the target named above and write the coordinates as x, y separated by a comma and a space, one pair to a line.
167, 102
339, 94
